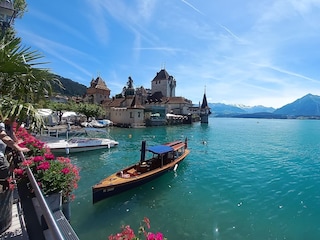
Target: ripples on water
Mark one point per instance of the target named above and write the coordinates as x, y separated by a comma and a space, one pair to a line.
244, 179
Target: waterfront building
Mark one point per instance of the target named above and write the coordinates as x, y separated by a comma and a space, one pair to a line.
97, 92
161, 110
163, 83
138, 107
162, 104
126, 109
129, 116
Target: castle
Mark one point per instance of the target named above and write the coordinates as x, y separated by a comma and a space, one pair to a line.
139, 107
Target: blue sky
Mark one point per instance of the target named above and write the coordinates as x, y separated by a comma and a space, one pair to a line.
247, 52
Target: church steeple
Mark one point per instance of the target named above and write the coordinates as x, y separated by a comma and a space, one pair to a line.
204, 101
204, 109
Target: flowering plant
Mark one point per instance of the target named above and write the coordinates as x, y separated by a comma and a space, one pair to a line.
27, 140
52, 174
128, 234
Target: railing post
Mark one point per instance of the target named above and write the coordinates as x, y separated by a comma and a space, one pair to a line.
44, 207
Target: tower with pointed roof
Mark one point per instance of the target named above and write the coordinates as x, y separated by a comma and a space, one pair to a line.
164, 83
204, 110
97, 92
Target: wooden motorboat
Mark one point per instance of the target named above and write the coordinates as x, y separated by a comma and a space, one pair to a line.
162, 159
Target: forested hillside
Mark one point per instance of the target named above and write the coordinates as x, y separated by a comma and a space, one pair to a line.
71, 88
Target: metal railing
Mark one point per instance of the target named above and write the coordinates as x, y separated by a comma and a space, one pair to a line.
56, 233
47, 214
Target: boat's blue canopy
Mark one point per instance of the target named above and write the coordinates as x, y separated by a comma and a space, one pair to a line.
160, 149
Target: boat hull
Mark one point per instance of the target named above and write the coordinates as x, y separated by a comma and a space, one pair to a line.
102, 191
78, 149
80, 145
105, 192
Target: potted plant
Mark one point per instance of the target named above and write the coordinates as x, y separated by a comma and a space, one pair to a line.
54, 175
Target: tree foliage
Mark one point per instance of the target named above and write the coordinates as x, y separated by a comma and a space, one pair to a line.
22, 82
91, 110
20, 74
20, 112
87, 109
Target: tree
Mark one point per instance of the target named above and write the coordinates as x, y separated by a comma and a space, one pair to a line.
22, 83
20, 74
90, 110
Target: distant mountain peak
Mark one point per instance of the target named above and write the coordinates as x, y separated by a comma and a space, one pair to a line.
233, 109
308, 105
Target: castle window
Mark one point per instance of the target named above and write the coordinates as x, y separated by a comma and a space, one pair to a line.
131, 115
139, 114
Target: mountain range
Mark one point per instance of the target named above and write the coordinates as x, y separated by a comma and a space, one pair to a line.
305, 107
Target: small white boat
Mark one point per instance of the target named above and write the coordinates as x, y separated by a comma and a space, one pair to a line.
74, 145
95, 139
97, 123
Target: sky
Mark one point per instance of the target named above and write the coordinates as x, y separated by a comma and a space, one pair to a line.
246, 52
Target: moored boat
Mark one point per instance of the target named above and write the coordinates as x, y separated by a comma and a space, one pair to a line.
74, 145
95, 139
163, 158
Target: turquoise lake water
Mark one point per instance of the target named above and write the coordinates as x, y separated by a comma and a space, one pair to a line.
244, 179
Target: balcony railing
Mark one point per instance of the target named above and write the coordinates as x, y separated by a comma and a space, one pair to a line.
58, 225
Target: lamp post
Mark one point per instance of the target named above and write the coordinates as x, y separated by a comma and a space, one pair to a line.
7, 14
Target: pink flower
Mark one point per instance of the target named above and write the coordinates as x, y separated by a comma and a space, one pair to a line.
38, 158
128, 234
49, 156
27, 162
65, 170
147, 222
64, 159
18, 171
157, 236
43, 166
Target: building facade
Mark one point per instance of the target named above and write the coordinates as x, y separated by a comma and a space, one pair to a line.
126, 111
98, 92
164, 83
138, 107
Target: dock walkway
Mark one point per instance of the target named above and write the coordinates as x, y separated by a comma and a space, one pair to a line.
18, 229
28, 225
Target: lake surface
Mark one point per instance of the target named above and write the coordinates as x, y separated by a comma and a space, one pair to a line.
244, 179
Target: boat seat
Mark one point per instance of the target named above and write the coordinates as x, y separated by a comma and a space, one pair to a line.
143, 168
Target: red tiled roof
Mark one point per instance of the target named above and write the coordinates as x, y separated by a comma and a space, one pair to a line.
174, 100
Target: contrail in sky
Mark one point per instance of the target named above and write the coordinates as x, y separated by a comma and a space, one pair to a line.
231, 33
287, 72
193, 7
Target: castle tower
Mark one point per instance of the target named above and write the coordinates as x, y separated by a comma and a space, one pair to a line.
97, 92
164, 83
